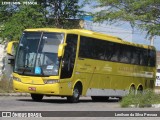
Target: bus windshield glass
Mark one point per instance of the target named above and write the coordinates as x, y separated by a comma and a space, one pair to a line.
37, 53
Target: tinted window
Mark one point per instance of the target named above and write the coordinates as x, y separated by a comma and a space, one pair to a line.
92, 48
109, 50
116, 52
104, 50
98, 49
144, 57
125, 54
86, 48
152, 58
135, 56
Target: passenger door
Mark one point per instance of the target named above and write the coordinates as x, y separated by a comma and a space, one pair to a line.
68, 59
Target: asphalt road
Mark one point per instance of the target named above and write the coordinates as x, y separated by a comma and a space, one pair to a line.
22, 104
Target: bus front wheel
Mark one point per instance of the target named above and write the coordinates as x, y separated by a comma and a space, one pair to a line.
75, 97
36, 97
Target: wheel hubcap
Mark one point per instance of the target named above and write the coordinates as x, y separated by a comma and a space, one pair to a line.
76, 93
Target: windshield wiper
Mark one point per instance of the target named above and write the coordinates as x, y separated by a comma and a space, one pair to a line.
24, 69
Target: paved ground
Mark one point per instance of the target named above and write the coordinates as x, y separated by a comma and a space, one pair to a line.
12, 103
54, 103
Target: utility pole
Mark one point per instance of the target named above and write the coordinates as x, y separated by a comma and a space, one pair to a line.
152, 40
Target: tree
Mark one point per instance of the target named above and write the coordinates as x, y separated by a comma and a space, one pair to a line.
27, 17
64, 10
142, 14
47, 13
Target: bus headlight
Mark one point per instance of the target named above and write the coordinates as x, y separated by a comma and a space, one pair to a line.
50, 81
16, 79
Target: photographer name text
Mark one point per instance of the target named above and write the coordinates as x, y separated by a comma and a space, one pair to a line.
19, 3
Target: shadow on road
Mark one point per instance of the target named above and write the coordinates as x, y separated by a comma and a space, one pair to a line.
64, 100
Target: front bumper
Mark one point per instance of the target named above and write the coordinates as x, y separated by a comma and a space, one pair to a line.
46, 89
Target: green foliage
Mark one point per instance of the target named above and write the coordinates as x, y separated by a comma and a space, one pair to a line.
62, 10
145, 99
143, 14
47, 13
27, 17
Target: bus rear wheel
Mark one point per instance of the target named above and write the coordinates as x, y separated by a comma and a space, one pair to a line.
75, 97
132, 90
37, 97
140, 90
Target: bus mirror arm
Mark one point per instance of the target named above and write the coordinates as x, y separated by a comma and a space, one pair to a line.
11, 61
59, 58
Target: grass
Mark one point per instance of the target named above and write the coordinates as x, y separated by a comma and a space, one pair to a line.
2, 91
145, 99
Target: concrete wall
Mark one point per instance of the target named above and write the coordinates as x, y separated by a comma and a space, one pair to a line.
2, 55
5, 68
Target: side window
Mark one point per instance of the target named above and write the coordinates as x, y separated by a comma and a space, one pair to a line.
144, 57
92, 48
99, 49
68, 59
152, 58
109, 50
135, 56
125, 55
116, 53
86, 48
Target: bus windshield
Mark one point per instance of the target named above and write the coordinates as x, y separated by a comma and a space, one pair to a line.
37, 53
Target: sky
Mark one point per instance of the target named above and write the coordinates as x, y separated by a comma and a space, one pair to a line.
135, 36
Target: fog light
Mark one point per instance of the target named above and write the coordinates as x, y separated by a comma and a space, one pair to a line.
16, 79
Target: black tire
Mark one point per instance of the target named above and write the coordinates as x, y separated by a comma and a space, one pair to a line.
76, 94
120, 98
37, 97
140, 90
100, 98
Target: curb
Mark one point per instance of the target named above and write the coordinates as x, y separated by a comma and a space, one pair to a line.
156, 105
148, 106
15, 94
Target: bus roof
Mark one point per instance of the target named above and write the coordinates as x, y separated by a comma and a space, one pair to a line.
90, 34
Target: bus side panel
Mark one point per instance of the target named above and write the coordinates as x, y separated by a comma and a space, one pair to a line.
84, 71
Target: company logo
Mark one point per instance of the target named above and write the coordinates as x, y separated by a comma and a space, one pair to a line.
6, 114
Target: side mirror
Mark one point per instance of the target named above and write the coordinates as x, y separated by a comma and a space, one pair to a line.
11, 48
11, 51
61, 49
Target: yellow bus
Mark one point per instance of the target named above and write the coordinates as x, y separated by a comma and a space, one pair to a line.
73, 62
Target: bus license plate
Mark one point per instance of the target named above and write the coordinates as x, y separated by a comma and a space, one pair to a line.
32, 88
